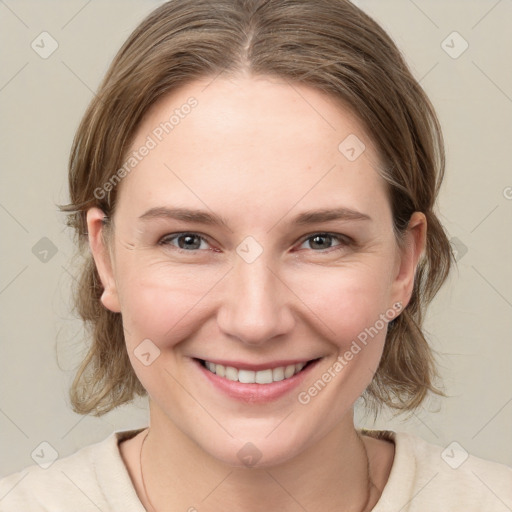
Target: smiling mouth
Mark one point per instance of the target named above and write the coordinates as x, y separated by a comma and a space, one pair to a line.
266, 376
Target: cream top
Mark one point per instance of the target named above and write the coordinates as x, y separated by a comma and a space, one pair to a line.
424, 477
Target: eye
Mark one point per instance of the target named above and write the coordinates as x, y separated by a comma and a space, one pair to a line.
322, 241
185, 241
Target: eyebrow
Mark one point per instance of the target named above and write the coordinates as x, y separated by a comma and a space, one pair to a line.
185, 214
203, 217
314, 216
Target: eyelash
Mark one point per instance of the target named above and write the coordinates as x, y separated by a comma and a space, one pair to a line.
343, 240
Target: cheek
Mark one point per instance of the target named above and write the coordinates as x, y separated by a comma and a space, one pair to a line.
346, 300
353, 311
160, 301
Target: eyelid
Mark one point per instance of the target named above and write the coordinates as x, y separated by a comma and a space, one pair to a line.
344, 239
166, 240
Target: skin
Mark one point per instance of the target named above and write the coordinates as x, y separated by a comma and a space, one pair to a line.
256, 152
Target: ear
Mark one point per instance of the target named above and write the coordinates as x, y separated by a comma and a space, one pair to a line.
102, 258
409, 257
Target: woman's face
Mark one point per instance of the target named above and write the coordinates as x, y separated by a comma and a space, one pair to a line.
254, 233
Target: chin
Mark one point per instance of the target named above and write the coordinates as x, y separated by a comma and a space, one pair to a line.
251, 455
257, 451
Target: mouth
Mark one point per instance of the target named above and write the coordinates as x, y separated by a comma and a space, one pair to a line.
255, 383
242, 373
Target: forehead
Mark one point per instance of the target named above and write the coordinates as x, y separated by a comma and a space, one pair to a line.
261, 141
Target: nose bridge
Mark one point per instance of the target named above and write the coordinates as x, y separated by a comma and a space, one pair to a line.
255, 308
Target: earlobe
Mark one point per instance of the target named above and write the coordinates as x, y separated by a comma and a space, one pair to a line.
110, 300
410, 254
102, 259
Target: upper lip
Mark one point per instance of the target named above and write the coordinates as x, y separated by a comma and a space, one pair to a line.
241, 365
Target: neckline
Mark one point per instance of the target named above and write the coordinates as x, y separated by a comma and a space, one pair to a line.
390, 489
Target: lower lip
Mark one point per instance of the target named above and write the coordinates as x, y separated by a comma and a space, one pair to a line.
256, 393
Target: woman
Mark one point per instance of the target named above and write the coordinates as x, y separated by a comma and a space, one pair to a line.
255, 185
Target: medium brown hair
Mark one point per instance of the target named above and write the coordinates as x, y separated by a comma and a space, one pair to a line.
330, 45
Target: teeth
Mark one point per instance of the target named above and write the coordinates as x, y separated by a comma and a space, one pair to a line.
289, 371
220, 370
259, 377
231, 373
263, 377
278, 374
246, 376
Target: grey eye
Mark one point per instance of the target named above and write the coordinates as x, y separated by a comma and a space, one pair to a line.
189, 241
185, 241
320, 241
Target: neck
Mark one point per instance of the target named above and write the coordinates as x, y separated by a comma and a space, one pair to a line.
176, 470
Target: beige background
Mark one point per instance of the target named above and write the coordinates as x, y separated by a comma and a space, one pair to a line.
42, 101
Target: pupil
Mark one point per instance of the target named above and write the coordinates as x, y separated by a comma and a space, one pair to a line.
320, 240
189, 241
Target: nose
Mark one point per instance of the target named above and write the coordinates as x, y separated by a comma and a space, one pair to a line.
256, 303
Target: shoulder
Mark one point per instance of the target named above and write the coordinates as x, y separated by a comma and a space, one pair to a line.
75, 482
426, 476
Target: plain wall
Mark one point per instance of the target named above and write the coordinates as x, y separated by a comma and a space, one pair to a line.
42, 102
